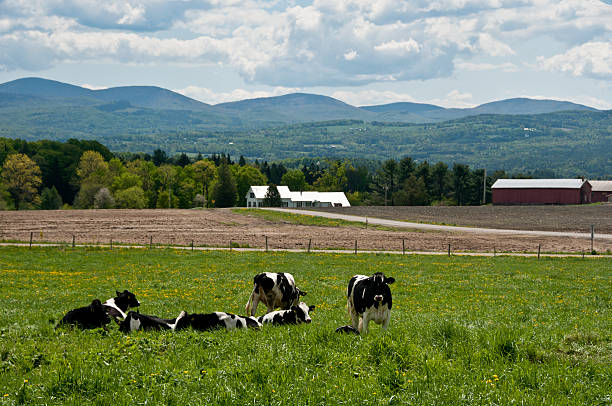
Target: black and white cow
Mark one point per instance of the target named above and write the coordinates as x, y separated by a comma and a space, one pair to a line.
295, 315
217, 320
92, 316
369, 299
275, 290
117, 307
136, 321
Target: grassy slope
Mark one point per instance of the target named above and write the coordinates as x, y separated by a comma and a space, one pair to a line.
463, 330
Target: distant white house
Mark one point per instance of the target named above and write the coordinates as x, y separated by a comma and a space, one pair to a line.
256, 195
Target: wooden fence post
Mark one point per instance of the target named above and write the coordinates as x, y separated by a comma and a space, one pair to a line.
192, 245
539, 247
150, 242
355, 247
230, 245
31, 235
309, 243
403, 246
111, 243
449, 250
266, 243
592, 239
72, 240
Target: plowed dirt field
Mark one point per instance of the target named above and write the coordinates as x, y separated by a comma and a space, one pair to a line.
219, 227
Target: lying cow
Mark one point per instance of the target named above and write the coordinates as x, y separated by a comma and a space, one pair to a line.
217, 320
136, 321
295, 315
274, 290
369, 299
92, 316
117, 307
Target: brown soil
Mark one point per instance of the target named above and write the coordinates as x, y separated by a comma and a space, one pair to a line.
220, 226
577, 219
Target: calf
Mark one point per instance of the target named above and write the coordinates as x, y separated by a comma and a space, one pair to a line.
118, 306
274, 290
136, 321
295, 315
212, 321
369, 299
91, 316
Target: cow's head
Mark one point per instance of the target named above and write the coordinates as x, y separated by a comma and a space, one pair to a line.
378, 286
98, 312
127, 299
301, 312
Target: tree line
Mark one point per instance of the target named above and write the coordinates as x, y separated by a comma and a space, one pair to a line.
85, 174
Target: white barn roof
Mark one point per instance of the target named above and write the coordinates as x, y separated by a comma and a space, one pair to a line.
333, 198
538, 184
601, 185
260, 191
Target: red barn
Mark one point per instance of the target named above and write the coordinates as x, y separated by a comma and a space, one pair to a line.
602, 190
541, 191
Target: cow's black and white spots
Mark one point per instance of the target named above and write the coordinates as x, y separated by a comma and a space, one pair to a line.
297, 314
136, 321
347, 329
369, 299
91, 316
117, 307
275, 290
217, 320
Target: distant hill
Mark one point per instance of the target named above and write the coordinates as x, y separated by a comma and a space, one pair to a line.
138, 96
566, 137
295, 108
267, 111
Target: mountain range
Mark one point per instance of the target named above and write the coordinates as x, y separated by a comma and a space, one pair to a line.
286, 109
516, 135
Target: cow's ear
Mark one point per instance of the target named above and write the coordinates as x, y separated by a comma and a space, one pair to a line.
302, 293
389, 281
311, 308
117, 292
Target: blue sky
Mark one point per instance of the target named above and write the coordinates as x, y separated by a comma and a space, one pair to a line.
454, 53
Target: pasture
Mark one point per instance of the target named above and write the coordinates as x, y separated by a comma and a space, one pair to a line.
463, 331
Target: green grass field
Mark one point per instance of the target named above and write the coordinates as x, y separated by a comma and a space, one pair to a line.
472, 330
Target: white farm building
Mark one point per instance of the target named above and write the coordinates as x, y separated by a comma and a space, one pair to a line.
256, 194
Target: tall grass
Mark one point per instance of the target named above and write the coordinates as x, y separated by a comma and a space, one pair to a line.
463, 331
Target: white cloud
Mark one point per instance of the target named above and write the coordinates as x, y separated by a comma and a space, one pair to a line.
350, 55
454, 99
93, 87
208, 96
475, 67
318, 42
371, 97
398, 47
593, 59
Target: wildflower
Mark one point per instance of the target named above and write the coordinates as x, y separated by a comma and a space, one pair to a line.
6, 395
25, 381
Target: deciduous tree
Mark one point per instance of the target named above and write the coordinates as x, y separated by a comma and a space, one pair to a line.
21, 177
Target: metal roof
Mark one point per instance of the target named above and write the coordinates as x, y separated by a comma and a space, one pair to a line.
538, 184
601, 185
306, 196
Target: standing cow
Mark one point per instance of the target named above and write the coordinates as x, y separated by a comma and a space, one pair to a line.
369, 299
274, 290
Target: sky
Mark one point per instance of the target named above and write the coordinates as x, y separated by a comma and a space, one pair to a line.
453, 53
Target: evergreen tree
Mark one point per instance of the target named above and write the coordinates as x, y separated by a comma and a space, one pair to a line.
273, 197
225, 190
50, 199
159, 157
183, 160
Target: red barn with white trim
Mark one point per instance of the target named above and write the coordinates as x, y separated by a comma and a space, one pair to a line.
541, 191
602, 190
